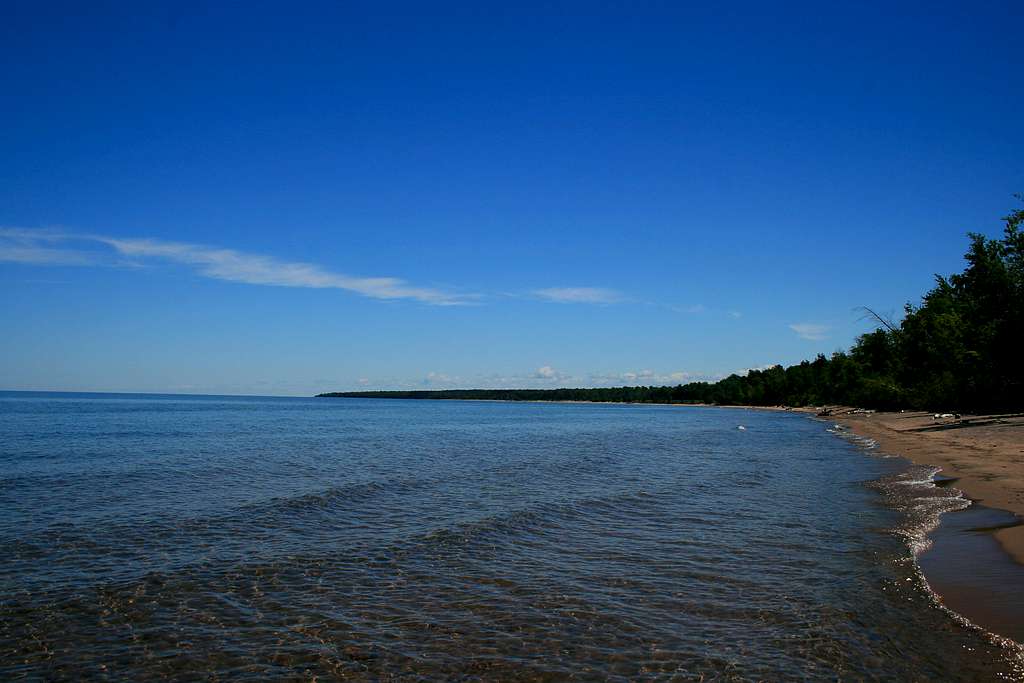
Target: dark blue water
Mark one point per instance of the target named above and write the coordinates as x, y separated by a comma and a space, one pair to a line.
231, 538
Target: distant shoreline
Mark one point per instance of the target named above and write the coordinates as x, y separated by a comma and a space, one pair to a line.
675, 404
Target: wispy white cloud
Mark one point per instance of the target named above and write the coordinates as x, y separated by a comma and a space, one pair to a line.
810, 331
700, 309
580, 295
43, 256
253, 269
36, 247
42, 247
549, 374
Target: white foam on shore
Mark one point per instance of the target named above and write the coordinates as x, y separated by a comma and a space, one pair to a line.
913, 491
916, 494
856, 439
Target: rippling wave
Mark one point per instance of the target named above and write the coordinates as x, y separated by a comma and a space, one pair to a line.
154, 537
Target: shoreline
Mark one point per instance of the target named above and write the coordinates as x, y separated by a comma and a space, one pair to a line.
974, 565
984, 454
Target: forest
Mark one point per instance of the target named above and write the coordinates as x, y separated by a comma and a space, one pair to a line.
961, 348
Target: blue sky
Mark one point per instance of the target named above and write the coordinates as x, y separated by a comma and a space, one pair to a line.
292, 198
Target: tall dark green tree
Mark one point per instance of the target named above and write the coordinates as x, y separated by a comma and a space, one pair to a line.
962, 346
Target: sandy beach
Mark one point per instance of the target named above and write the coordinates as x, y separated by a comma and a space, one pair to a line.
984, 453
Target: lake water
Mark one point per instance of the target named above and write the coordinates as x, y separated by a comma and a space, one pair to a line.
254, 538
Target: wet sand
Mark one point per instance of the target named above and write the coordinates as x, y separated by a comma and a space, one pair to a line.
972, 574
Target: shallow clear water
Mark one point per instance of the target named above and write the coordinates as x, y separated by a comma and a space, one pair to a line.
229, 538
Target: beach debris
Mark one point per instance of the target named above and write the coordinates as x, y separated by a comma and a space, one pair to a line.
945, 416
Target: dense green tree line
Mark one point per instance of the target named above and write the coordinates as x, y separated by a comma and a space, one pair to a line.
961, 349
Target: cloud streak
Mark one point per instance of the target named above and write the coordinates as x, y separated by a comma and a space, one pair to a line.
810, 331
35, 247
550, 374
47, 248
579, 295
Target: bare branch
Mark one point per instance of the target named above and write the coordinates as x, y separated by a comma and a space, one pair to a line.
870, 313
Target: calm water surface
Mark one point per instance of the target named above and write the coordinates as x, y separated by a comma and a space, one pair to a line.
215, 538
